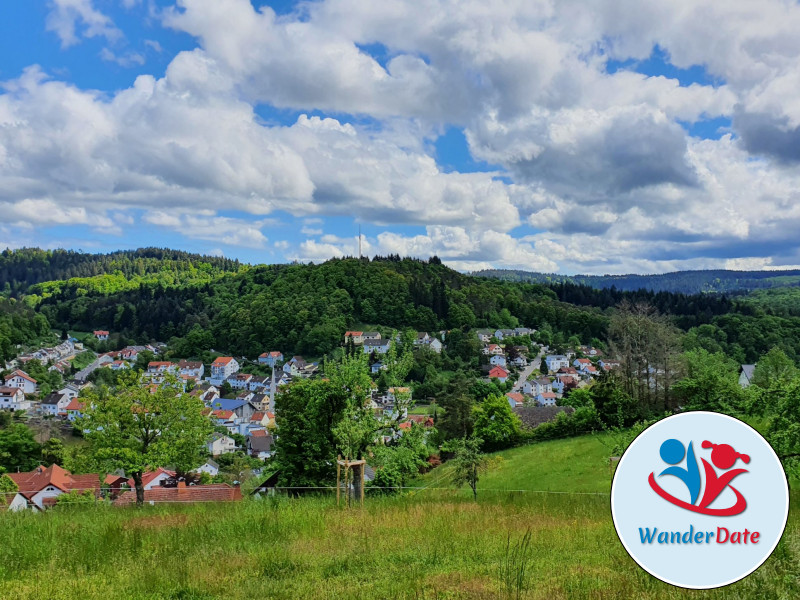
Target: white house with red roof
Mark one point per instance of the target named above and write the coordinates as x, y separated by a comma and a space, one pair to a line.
13, 398
193, 369
100, 334
222, 368
356, 336
493, 350
40, 488
74, 408
240, 381
20, 379
546, 398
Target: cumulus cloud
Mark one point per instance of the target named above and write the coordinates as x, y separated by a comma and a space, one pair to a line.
72, 19
596, 165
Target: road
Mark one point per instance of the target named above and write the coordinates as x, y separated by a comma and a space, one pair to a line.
526, 372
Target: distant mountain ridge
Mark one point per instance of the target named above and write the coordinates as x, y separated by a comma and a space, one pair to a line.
683, 282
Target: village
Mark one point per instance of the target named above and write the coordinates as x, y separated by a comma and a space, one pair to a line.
241, 404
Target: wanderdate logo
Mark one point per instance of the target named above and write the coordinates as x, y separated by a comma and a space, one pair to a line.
699, 500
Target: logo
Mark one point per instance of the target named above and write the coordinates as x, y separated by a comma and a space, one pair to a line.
723, 457
699, 500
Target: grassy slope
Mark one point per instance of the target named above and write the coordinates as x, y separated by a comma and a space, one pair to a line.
428, 544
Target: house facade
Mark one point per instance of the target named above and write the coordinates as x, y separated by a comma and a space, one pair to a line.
270, 358
41, 487
223, 367
20, 379
13, 398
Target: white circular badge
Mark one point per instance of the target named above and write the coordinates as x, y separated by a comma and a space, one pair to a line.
699, 500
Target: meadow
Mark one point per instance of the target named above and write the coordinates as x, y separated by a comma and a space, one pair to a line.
426, 544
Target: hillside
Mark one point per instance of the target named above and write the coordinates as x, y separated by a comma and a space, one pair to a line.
431, 543
681, 282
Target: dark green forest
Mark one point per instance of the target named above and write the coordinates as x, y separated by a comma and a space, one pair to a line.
681, 282
201, 302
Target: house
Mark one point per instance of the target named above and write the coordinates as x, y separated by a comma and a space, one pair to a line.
515, 399
243, 409
40, 487
226, 418
497, 360
260, 419
270, 358
555, 362
100, 335
294, 366
182, 493
356, 336
74, 408
498, 373
70, 390
239, 381
223, 367
518, 331
376, 345
376, 367
607, 365
20, 379
55, 404
546, 399
370, 336
219, 444
118, 365
259, 444
484, 335
393, 392
422, 339
210, 467
257, 383
501, 334
193, 369
746, 376
520, 361
493, 350
12, 398
581, 363
153, 479
436, 345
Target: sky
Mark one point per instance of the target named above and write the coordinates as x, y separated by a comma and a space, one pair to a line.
615, 136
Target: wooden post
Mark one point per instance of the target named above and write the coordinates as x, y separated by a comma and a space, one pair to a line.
338, 486
363, 468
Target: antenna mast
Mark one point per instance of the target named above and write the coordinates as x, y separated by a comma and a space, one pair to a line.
359, 242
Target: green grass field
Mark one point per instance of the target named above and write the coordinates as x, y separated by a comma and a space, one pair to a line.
427, 544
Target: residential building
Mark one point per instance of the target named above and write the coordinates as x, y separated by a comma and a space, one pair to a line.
356, 336
484, 335
295, 365
370, 336
219, 444
498, 373
100, 335
241, 408
193, 369
555, 362
210, 467
259, 444
74, 408
497, 360
154, 479
12, 398
20, 379
515, 399
239, 381
746, 375
376, 345
501, 334
55, 404
546, 399
271, 358
39, 489
223, 367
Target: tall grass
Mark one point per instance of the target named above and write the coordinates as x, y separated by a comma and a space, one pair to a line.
428, 545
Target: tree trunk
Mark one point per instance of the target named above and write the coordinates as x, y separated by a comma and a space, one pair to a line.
137, 482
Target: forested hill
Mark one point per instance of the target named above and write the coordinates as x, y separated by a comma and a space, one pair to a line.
27, 267
682, 282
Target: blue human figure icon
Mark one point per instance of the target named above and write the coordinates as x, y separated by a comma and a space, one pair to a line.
672, 452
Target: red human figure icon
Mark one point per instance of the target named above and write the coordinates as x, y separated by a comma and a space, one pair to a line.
724, 457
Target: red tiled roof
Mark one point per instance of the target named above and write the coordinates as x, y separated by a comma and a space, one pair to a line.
222, 414
31, 483
100, 332
22, 374
258, 416
221, 361
9, 391
353, 333
259, 433
516, 396
149, 476
498, 372
74, 404
215, 492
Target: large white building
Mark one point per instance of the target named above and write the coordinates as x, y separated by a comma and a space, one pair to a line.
20, 379
12, 398
223, 367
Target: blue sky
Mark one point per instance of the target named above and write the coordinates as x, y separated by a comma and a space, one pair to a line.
270, 132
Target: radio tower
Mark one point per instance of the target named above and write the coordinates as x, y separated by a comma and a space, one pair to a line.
359, 242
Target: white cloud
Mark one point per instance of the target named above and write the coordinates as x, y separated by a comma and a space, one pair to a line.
233, 232
127, 60
72, 19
